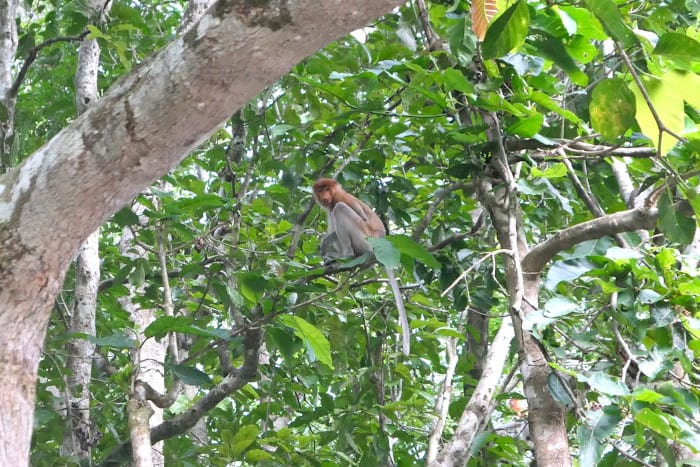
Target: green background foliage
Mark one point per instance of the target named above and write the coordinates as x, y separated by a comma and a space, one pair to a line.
388, 112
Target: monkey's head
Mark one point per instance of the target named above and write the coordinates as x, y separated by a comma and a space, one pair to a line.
324, 192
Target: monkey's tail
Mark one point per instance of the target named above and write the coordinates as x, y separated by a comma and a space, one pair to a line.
403, 318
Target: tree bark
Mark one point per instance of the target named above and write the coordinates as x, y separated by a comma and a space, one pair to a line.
80, 436
140, 129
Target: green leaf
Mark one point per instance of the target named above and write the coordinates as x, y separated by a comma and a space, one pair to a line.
552, 48
607, 423
610, 16
189, 375
557, 307
526, 127
667, 96
680, 48
118, 341
246, 435
612, 108
508, 32
385, 252
675, 225
258, 456
590, 449
607, 384
647, 395
252, 285
311, 336
125, 217
654, 421
415, 250
557, 170
454, 80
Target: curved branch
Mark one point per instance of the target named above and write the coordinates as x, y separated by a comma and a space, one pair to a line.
34, 52
182, 422
624, 221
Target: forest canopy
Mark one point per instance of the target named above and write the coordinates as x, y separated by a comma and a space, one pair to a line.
535, 164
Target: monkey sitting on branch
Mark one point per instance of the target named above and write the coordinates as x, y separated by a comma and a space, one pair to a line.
350, 223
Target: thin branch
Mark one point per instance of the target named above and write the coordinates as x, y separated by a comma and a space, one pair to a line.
184, 421
438, 197
33, 53
635, 76
588, 199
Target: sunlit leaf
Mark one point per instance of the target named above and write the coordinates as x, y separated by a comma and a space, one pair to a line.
482, 12
607, 384
415, 250
507, 32
678, 47
385, 252
675, 225
311, 336
612, 108
654, 421
610, 16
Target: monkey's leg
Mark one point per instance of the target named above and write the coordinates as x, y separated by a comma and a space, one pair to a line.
330, 248
351, 231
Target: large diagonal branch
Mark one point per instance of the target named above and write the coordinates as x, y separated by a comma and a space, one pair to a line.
619, 222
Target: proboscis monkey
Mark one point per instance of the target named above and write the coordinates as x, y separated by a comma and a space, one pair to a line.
350, 222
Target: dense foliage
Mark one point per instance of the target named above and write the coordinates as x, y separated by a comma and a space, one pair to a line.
394, 111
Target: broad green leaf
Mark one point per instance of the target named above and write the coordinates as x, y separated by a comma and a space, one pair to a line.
548, 103
189, 375
558, 390
648, 296
675, 225
244, 437
118, 341
691, 287
183, 324
526, 127
415, 250
647, 395
125, 217
566, 271
607, 384
610, 16
258, 457
612, 108
552, 48
385, 252
667, 98
607, 423
590, 449
454, 80
655, 422
557, 170
559, 306
507, 32
311, 336
680, 48
252, 285
587, 25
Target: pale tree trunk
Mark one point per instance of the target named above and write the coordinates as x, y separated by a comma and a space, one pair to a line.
80, 435
141, 128
149, 360
8, 48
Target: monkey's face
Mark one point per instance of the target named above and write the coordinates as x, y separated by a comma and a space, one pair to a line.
324, 196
